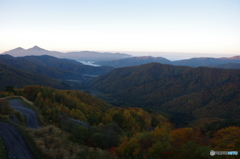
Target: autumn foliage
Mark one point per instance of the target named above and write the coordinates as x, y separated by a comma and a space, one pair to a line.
128, 132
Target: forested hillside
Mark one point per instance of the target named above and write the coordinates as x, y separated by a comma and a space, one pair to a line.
197, 92
226, 66
52, 66
10, 76
115, 133
66, 64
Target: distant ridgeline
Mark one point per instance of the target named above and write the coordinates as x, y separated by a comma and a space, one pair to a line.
233, 62
77, 55
40, 70
10, 76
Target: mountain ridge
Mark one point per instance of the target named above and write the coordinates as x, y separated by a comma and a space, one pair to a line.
198, 91
121, 59
76, 55
10, 76
192, 62
52, 66
133, 61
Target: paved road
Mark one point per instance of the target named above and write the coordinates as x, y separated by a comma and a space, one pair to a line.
16, 146
31, 116
80, 122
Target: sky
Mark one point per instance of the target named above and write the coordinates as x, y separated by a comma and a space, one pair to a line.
172, 28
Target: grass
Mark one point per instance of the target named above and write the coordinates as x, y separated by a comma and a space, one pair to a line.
4, 116
55, 143
21, 119
3, 152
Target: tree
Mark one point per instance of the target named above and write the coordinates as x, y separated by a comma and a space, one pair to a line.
127, 148
5, 109
162, 138
98, 140
92, 119
191, 150
183, 135
227, 139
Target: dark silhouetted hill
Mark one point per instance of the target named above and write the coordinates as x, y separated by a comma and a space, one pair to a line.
52, 66
227, 66
10, 76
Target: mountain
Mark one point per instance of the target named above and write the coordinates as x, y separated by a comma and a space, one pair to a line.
233, 58
81, 55
52, 66
133, 61
193, 62
10, 76
227, 66
197, 92
38, 67
205, 61
69, 65
120, 59
32, 51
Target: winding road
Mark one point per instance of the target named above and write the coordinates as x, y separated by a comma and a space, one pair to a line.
15, 144
31, 116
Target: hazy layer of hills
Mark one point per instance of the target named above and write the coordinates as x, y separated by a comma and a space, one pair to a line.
206, 61
193, 62
133, 61
82, 55
124, 60
198, 92
52, 66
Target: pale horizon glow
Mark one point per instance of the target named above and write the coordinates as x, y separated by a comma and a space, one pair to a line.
136, 27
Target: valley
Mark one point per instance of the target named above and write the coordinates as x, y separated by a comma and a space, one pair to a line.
120, 79
120, 111
90, 63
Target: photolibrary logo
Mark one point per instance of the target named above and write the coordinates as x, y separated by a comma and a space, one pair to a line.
212, 153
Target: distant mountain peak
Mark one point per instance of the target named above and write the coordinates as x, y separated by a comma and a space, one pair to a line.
235, 57
19, 48
80, 55
36, 48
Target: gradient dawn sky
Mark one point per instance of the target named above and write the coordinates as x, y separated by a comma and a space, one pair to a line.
146, 27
